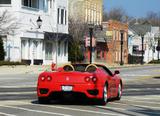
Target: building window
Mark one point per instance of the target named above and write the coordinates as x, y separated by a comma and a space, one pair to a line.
65, 48
103, 54
23, 48
48, 51
65, 17
58, 15
61, 16
135, 48
5, 1
51, 3
98, 54
31, 3
59, 48
35, 47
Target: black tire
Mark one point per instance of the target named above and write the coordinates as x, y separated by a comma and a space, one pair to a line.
119, 93
104, 100
43, 100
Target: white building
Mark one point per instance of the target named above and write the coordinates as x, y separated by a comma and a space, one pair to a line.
150, 44
36, 45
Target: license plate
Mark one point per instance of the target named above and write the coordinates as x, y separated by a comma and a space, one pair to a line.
67, 88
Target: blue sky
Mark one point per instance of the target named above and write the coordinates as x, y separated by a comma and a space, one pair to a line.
136, 8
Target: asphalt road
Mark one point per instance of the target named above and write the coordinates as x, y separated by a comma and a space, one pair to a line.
141, 97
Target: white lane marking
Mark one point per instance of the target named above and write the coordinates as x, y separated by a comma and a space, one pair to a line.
37, 111
142, 89
156, 70
133, 75
1, 113
146, 112
88, 111
142, 106
123, 110
143, 97
146, 102
17, 93
73, 109
16, 87
111, 108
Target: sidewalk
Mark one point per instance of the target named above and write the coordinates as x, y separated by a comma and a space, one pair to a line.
22, 69
36, 69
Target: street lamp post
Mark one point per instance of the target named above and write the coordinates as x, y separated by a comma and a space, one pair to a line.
122, 33
142, 49
91, 26
39, 24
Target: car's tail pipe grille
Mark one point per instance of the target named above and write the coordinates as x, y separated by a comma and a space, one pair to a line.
44, 91
93, 92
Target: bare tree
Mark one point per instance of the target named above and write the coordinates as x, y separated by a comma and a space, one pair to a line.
77, 29
117, 14
8, 23
105, 14
153, 18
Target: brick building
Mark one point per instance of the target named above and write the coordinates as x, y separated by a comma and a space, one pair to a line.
108, 43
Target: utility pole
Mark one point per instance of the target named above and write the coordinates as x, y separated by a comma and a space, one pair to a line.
91, 26
142, 49
122, 33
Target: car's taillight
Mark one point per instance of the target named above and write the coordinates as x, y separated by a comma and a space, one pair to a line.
94, 79
87, 79
91, 79
42, 78
49, 78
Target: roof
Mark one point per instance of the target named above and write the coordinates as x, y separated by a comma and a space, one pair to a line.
141, 29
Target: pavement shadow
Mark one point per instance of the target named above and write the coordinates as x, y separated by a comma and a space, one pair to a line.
157, 77
83, 102
146, 111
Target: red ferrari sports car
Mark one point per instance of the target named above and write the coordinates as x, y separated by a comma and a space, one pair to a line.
91, 80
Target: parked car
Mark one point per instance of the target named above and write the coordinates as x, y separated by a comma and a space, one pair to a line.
92, 80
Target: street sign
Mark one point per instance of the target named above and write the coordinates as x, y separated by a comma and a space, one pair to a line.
109, 33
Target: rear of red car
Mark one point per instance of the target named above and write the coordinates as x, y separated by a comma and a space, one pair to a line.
57, 83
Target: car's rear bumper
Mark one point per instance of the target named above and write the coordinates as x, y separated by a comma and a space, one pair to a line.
89, 90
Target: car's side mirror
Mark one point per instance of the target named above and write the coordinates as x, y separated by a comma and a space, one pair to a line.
116, 72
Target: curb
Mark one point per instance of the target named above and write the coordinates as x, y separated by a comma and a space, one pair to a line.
6, 70
128, 66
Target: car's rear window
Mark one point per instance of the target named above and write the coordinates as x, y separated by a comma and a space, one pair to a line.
80, 67
85, 68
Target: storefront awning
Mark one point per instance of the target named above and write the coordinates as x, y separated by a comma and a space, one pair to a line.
101, 40
58, 36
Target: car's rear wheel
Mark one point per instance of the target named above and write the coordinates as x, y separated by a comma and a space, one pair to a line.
119, 94
43, 100
104, 100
